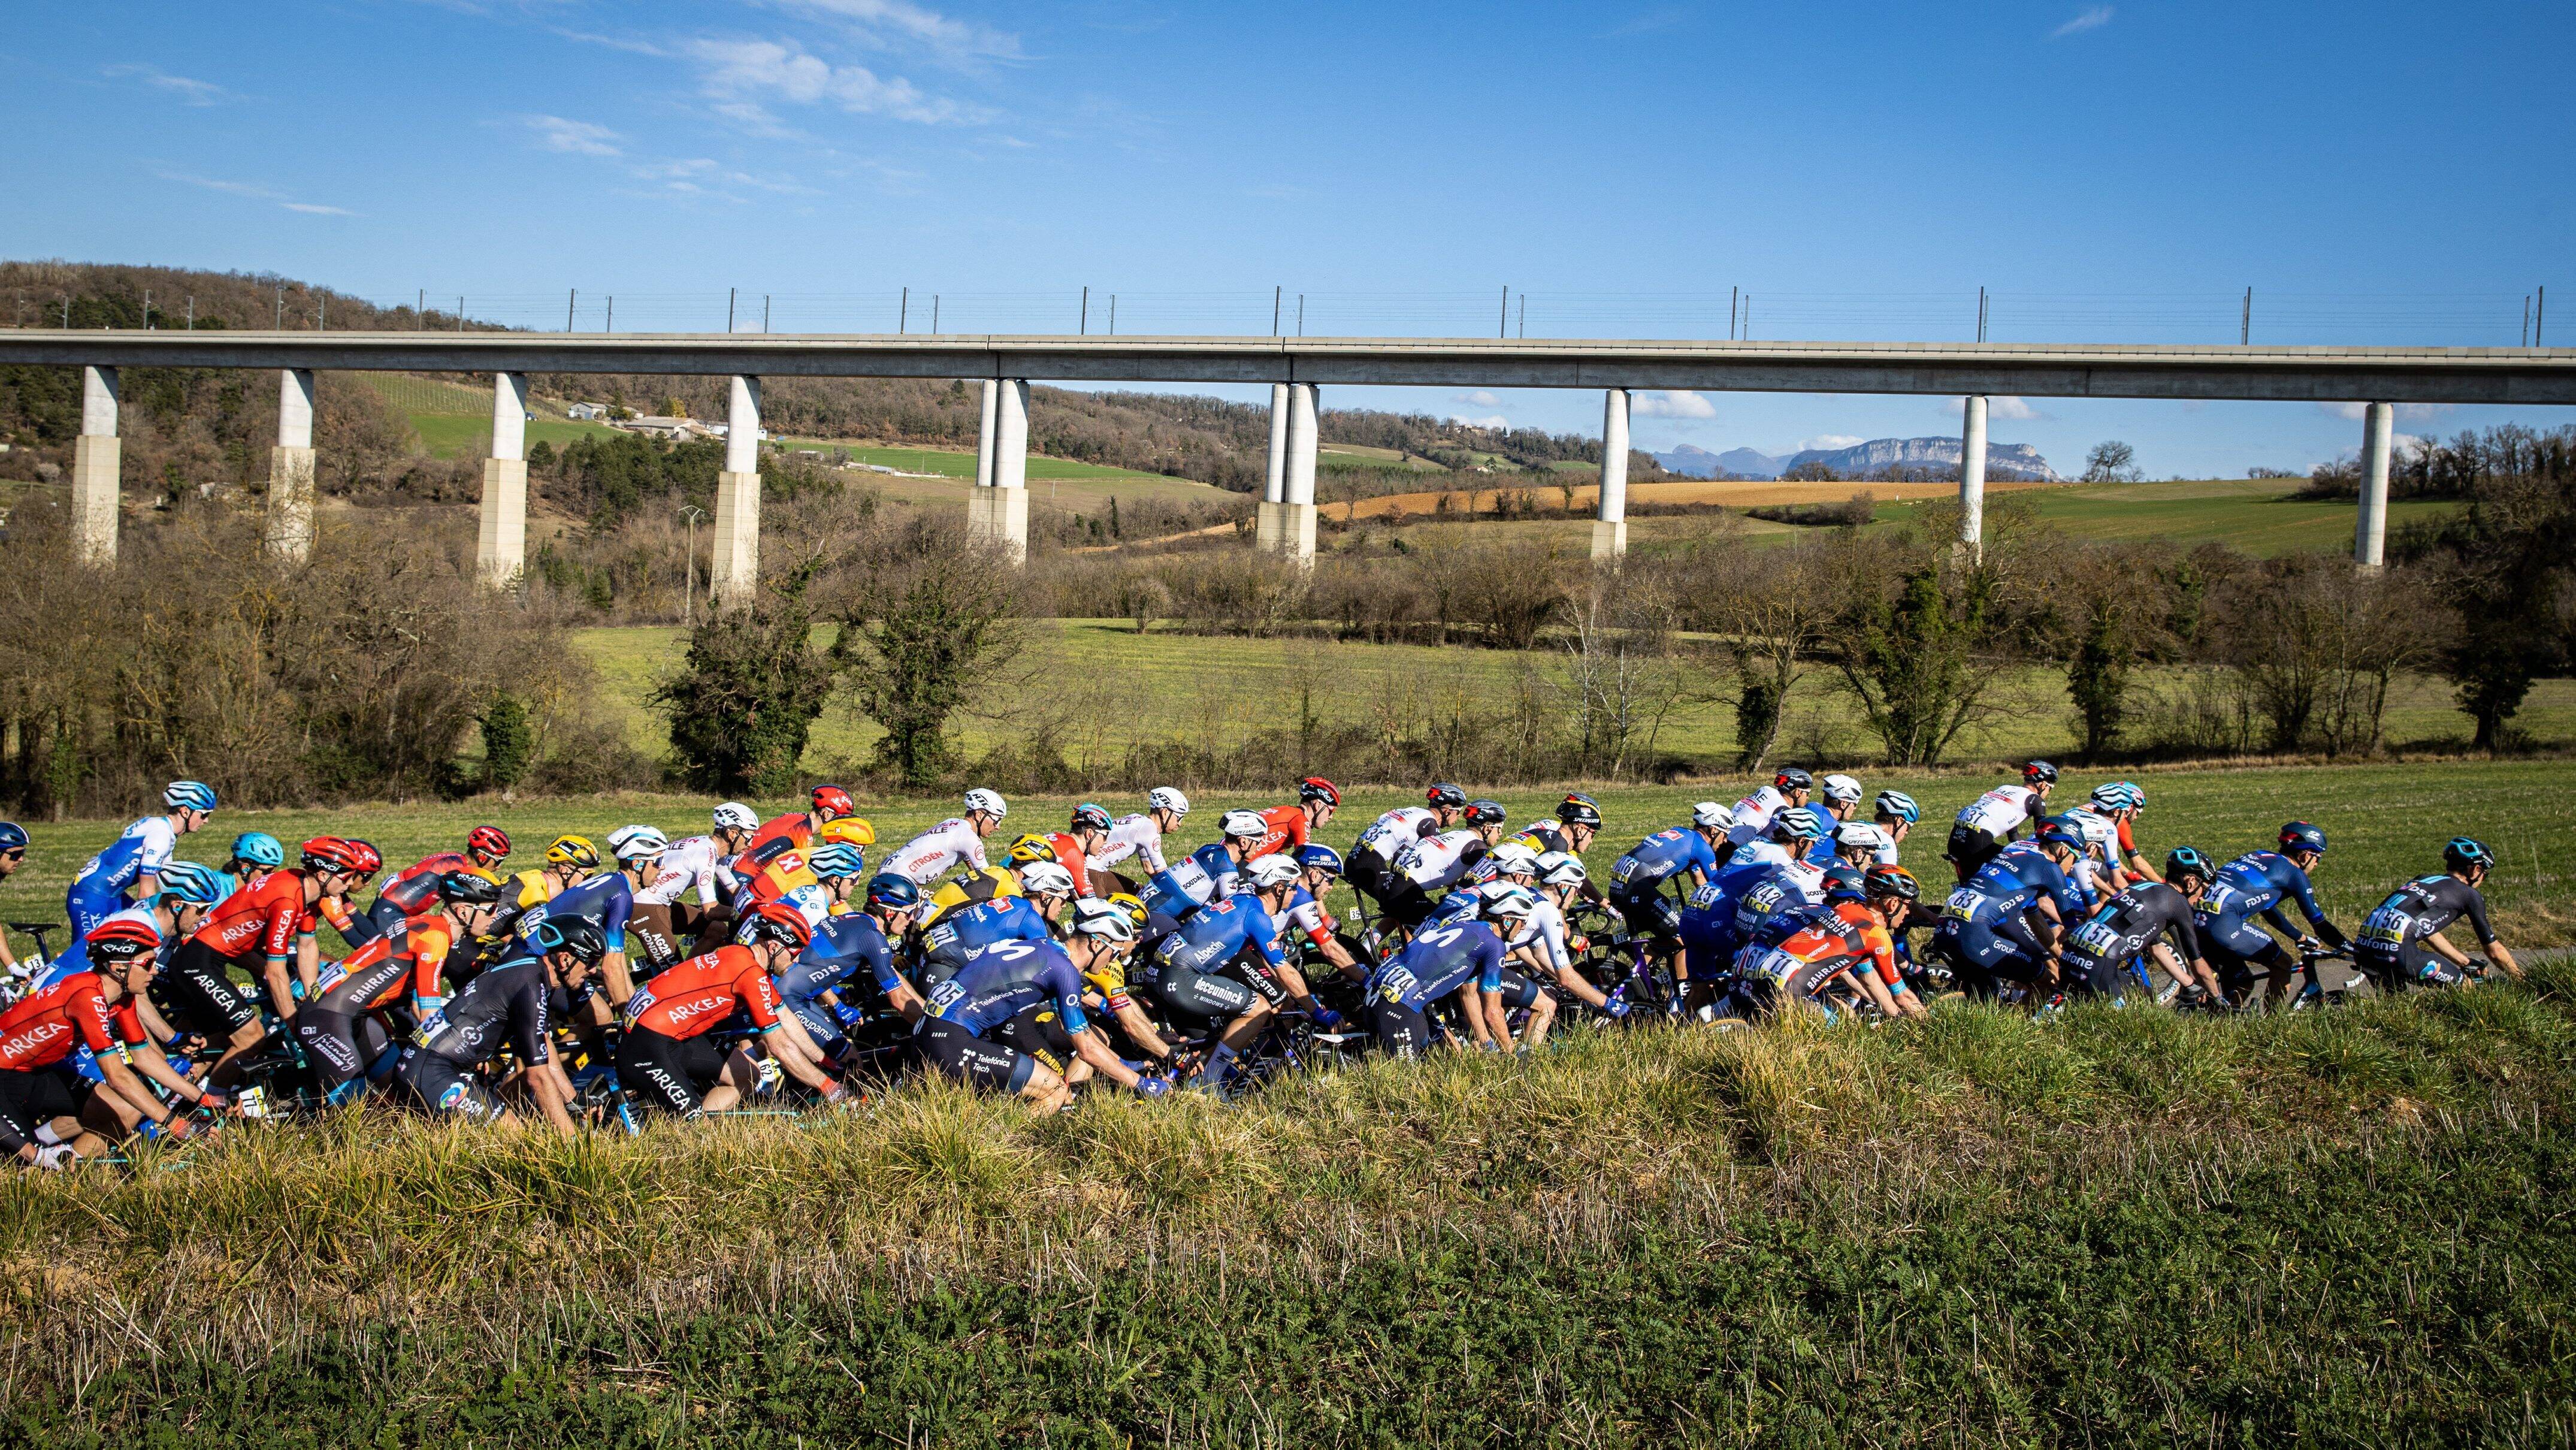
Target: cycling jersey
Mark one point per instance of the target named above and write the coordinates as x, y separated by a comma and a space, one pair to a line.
2024, 867
268, 917
1543, 932
1761, 853
98, 889
1070, 855
1132, 836
1660, 857
1985, 929
507, 1005
1005, 977
694, 996
2420, 908
418, 885
759, 881
1004, 918
373, 976
2136, 918
1840, 938
693, 863
1304, 914
843, 950
1287, 832
2001, 811
1397, 829
1545, 836
1723, 914
1438, 961
932, 854
1207, 874
984, 883
2259, 883
1753, 814
1218, 932
1435, 861
606, 901
534, 888
44, 1027
790, 832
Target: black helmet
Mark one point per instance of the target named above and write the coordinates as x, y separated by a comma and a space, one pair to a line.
1792, 778
1579, 809
1446, 797
2039, 772
578, 935
468, 888
2466, 851
1484, 813
2184, 861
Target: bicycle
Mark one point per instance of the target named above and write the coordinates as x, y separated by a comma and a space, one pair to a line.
1619, 964
15, 984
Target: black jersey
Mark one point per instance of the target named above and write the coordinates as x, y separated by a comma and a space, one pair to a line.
2131, 921
510, 1003
2422, 907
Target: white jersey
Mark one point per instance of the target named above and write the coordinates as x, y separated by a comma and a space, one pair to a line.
1543, 931
1303, 915
1395, 830
1435, 861
2002, 810
937, 851
1761, 853
1753, 814
1135, 835
140, 850
2101, 835
693, 863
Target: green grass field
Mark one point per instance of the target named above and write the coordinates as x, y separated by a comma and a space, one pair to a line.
446, 435
2258, 516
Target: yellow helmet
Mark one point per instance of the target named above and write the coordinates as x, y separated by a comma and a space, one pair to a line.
848, 830
1031, 848
573, 851
1134, 906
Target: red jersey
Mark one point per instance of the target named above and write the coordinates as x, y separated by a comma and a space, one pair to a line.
43, 1027
413, 889
378, 970
1069, 854
790, 832
1854, 933
1287, 831
266, 917
756, 883
703, 991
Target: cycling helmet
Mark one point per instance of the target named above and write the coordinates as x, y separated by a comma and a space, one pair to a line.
330, 853
1443, 796
578, 935
849, 831
1316, 788
1088, 817
1505, 899
573, 851
1842, 790
892, 892
989, 802
1242, 825
1511, 858
1165, 798
121, 941
1893, 881
490, 842
835, 862
1843, 883
2118, 795
832, 802
1579, 809
13, 837
1796, 825
194, 885
1105, 920
469, 888
2184, 861
1046, 878
630, 844
1710, 816
1319, 857
1484, 813
1273, 870
189, 795
735, 816
2039, 772
775, 921
1562, 868
1134, 906
1031, 848
1792, 778
2059, 831
369, 859
2466, 851
260, 849
2300, 836
1897, 805
1861, 834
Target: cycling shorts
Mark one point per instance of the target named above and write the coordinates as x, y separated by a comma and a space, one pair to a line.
1650, 913
1771, 974
440, 1085
816, 1018
1199, 996
89, 902
1369, 874
2237, 941
1401, 1030
1519, 992
1405, 902
2411, 965
941, 963
338, 1045
668, 1074
2092, 976
1038, 1031
952, 1050
196, 996
1254, 971
33, 1097
1971, 848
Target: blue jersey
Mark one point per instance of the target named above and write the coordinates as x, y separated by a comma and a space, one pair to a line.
1820, 851
1006, 977
2261, 882
1437, 962
1004, 918
1217, 933
98, 890
844, 947
606, 902
2024, 869
1206, 874
1459, 905
1659, 857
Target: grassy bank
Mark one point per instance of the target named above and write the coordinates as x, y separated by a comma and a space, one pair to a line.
2120, 1227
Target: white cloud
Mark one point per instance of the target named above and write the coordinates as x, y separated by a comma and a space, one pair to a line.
744, 76
698, 175
194, 92
255, 192
953, 38
1671, 405
316, 209
575, 138
1826, 442
1491, 420
2094, 17
1478, 399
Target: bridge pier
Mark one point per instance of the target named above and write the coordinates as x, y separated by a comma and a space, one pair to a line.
1297, 484
1270, 522
2370, 529
502, 551
997, 511
733, 567
290, 470
1610, 531
98, 460
1972, 476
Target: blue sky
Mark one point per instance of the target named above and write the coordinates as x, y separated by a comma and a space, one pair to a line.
2113, 172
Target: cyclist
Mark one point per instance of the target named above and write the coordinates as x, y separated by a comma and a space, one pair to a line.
968, 1012
798, 830
1318, 868
13, 854
1851, 940
1223, 962
569, 862
1459, 957
337, 1028
2002, 924
2402, 942
415, 888
1291, 827
2121, 802
665, 1061
2261, 883
987, 883
1211, 873
1425, 869
1838, 800
856, 947
1547, 945
957, 841
272, 922
1139, 838
1894, 812
1752, 815
2138, 919
1370, 868
92, 1008
254, 855
488, 847
510, 1005
129, 870
1687, 856
953, 937
1863, 844
1721, 917
693, 866
1571, 829
1084, 833
607, 901
1988, 822
1792, 837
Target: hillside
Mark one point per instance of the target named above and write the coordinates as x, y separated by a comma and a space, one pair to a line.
1875, 458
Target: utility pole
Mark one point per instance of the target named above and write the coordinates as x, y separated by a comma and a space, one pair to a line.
420, 310
1503, 325
731, 293
764, 314
571, 295
1524, 322
1274, 307
192, 312
612, 313
1301, 314
1734, 295
1113, 314
2539, 316
460, 312
934, 314
2526, 320
902, 311
1981, 314
147, 309
1082, 328
281, 309
322, 312
2245, 328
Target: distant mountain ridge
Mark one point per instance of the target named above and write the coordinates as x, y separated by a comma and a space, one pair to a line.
1879, 455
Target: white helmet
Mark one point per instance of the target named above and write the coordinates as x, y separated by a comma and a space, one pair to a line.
989, 802
1272, 870
1842, 790
1247, 825
1562, 868
735, 816
1505, 899
1511, 858
1709, 815
1099, 918
637, 843
1165, 798
1046, 878
1862, 834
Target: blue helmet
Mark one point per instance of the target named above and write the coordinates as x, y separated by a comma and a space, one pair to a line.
835, 861
260, 849
1320, 858
2300, 836
1845, 883
893, 892
2466, 851
189, 795
194, 885
2059, 831
13, 837
2118, 795
1897, 805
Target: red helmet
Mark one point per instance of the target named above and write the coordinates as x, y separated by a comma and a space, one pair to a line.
775, 921
1316, 788
119, 942
488, 841
368, 860
831, 802
330, 853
